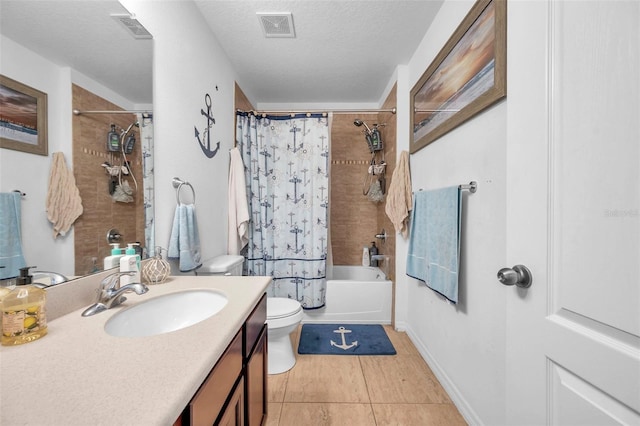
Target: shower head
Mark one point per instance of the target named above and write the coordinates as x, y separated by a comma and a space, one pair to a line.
357, 122
125, 132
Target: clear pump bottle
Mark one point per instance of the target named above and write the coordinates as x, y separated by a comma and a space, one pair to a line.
113, 261
23, 312
130, 262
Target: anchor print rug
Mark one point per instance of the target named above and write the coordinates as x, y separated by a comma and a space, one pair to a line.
344, 339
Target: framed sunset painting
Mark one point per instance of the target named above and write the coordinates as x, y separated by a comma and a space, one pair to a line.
23, 117
467, 76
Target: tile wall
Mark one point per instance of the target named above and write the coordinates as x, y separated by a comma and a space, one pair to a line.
101, 213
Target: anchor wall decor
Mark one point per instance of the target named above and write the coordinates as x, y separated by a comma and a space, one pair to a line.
206, 133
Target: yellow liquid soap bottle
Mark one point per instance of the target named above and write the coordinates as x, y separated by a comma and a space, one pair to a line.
23, 312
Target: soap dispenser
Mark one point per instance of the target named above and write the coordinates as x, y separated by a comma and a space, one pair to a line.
113, 261
130, 262
23, 312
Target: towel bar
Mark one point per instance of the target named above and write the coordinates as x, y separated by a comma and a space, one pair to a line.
471, 186
178, 184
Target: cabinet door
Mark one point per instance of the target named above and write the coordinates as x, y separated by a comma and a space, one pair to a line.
234, 413
208, 402
254, 325
256, 384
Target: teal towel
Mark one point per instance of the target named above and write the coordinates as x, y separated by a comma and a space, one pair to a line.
434, 242
184, 243
11, 256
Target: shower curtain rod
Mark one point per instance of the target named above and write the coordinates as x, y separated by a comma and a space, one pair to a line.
78, 112
322, 111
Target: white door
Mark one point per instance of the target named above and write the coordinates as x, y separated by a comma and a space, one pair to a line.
573, 218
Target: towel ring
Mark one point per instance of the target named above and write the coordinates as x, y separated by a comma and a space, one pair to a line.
178, 184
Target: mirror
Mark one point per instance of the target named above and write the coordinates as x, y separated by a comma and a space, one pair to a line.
86, 43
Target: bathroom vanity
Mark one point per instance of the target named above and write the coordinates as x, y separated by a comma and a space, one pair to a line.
212, 371
234, 392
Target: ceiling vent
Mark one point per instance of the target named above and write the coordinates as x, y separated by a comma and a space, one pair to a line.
277, 25
133, 27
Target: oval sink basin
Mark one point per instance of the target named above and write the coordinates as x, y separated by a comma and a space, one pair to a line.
166, 313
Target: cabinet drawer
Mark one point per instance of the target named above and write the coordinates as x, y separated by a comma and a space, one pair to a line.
210, 398
254, 324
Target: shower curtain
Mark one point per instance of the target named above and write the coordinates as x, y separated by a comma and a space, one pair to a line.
286, 163
145, 122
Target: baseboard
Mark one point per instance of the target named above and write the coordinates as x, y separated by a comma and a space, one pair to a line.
457, 398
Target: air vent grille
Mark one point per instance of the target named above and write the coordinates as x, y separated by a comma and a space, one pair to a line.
132, 25
277, 24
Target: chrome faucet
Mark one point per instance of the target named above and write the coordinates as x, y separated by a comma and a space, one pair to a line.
110, 293
382, 235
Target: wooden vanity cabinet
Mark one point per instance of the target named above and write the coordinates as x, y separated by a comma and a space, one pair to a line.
234, 393
209, 401
255, 360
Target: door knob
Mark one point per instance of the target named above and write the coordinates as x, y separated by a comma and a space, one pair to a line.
518, 275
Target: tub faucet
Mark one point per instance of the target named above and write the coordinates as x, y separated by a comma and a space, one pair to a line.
110, 293
382, 235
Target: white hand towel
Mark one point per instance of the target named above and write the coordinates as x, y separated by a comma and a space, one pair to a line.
238, 232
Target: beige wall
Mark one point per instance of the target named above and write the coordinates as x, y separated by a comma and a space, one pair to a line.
100, 212
355, 220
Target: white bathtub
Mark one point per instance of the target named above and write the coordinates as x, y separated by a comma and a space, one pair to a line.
355, 294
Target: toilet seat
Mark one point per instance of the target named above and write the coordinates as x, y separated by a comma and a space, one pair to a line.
281, 307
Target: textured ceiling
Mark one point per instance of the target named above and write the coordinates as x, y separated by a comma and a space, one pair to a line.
83, 36
344, 52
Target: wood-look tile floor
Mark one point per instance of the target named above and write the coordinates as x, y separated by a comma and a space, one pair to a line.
360, 390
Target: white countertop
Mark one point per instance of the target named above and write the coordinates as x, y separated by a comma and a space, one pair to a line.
79, 375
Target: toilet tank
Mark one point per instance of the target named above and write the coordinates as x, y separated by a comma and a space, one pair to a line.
222, 265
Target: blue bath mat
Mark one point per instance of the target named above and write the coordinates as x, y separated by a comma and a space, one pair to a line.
344, 339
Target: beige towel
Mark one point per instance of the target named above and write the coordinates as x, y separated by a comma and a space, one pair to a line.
64, 204
399, 196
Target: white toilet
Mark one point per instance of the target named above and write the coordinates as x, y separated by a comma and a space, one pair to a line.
221, 265
283, 315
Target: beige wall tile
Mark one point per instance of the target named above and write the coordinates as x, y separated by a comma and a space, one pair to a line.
355, 220
100, 212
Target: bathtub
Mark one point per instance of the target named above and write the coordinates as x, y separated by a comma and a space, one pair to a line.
355, 294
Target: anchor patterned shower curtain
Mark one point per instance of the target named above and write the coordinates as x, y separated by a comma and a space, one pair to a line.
286, 170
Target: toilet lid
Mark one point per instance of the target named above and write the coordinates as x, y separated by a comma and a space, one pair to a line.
279, 307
